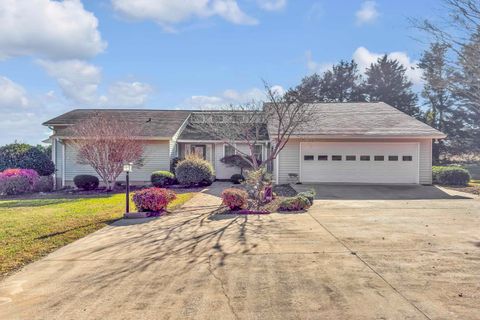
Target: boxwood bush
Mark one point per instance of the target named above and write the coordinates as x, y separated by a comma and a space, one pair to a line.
296, 203
237, 178
451, 175
162, 178
194, 171
86, 182
310, 195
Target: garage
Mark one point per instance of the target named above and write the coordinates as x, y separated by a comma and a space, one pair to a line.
359, 162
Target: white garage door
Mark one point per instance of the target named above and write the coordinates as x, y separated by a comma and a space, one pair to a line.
359, 162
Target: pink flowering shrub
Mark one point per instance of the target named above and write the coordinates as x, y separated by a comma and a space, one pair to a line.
153, 199
30, 174
17, 181
235, 198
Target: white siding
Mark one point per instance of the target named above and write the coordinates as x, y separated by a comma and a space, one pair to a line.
58, 162
289, 161
289, 158
156, 157
222, 171
426, 161
357, 171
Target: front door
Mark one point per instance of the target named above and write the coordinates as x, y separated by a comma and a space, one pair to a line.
200, 150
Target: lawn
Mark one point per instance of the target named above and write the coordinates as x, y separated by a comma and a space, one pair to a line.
31, 228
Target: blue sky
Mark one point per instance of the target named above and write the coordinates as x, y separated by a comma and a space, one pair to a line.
60, 55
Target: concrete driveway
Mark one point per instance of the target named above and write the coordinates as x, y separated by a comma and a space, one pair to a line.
345, 259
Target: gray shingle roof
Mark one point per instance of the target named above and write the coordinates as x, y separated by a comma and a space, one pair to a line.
156, 123
363, 120
193, 133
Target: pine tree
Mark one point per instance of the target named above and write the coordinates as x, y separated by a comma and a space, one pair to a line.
441, 113
340, 84
466, 87
387, 82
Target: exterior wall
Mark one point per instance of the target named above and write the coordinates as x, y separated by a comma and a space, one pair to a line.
289, 158
156, 157
426, 161
57, 159
288, 161
215, 152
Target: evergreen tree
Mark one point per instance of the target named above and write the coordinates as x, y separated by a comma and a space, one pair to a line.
387, 82
441, 113
466, 88
340, 84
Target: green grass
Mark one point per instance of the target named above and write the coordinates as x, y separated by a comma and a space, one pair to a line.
475, 183
31, 228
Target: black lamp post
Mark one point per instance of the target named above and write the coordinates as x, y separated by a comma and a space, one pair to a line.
127, 168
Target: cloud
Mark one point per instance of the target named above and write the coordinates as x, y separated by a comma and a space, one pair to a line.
367, 13
167, 13
365, 58
315, 67
79, 80
48, 29
127, 94
230, 96
272, 5
13, 96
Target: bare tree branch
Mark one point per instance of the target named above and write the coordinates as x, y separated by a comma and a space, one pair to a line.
106, 144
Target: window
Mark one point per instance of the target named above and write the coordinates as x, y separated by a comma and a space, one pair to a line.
229, 150
379, 158
322, 158
364, 158
407, 158
308, 157
258, 152
351, 158
392, 158
336, 158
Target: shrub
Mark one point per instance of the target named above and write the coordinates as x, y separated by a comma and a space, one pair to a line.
11, 185
24, 156
194, 171
237, 178
296, 203
44, 184
153, 199
162, 178
310, 195
235, 198
456, 176
173, 164
86, 182
31, 175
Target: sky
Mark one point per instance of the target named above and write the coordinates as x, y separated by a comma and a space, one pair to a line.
56, 56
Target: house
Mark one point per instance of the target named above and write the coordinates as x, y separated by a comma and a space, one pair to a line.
348, 143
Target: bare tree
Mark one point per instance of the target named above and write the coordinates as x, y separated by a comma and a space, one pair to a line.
253, 123
106, 144
459, 31
250, 124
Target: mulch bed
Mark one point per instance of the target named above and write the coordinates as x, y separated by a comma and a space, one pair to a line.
284, 190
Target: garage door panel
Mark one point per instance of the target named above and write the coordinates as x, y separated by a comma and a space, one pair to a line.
359, 171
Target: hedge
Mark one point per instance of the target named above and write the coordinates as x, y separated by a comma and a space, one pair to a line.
451, 175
